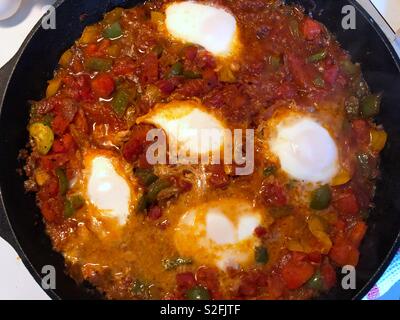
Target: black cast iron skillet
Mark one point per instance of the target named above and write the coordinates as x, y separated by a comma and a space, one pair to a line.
24, 78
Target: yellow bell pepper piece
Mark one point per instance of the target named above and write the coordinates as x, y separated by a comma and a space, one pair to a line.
66, 58
114, 50
43, 136
316, 227
342, 178
296, 246
157, 17
52, 88
89, 35
41, 177
378, 140
226, 75
330, 217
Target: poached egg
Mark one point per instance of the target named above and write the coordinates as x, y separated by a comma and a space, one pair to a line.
219, 233
304, 147
211, 27
107, 186
189, 126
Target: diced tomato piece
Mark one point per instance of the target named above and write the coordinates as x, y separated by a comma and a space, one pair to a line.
299, 256
133, 148
275, 286
211, 77
207, 277
361, 131
339, 226
58, 146
68, 80
315, 257
149, 69
97, 50
46, 105
185, 280
286, 91
205, 60
68, 142
239, 101
190, 53
273, 194
136, 144
247, 289
46, 163
104, 44
303, 74
297, 273
52, 161
51, 210
192, 87
103, 85
357, 233
77, 66
331, 74
142, 161
59, 125
50, 201
124, 66
84, 87
66, 108
341, 79
251, 281
79, 87
167, 86
51, 187
218, 177
344, 253
328, 275
47, 212
311, 29
260, 232
346, 202
81, 122
155, 213
91, 49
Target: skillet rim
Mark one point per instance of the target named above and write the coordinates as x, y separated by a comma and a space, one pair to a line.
9, 234
396, 245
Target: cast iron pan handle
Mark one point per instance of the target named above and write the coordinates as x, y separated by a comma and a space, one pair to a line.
5, 229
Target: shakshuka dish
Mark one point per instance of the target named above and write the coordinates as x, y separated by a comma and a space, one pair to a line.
209, 149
